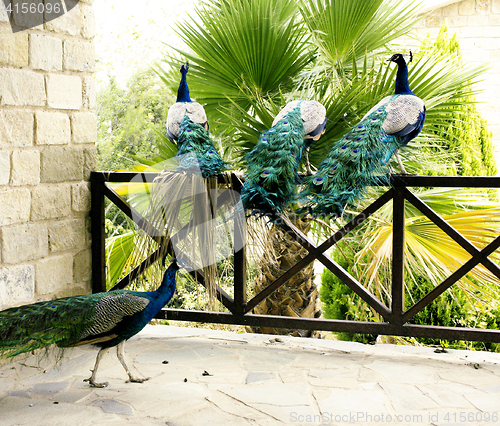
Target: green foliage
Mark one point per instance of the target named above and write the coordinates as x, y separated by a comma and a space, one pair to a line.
465, 133
340, 302
131, 120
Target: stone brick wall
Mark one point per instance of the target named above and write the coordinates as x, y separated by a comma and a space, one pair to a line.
477, 25
47, 150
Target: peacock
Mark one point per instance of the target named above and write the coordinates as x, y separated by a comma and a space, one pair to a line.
184, 106
188, 126
273, 165
102, 319
360, 159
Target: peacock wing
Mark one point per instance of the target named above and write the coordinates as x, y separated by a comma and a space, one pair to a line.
109, 311
194, 111
405, 113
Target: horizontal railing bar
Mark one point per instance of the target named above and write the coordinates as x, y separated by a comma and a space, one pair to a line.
364, 327
407, 180
447, 181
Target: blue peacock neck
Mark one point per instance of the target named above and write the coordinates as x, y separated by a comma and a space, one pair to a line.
183, 90
402, 85
167, 288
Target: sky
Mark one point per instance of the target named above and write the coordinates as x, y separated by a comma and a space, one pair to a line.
131, 34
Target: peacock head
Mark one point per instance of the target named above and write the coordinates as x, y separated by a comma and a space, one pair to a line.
185, 68
399, 58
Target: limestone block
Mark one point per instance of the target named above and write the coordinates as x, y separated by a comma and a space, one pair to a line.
90, 165
83, 266
64, 91
495, 6
17, 285
15, 206
20, 87
434, 19
79, 56
478, 21
67, 235
469, 33
4, 15
467, 7
52, 128
14, 49
69, 23
28, 13
25, 168
62, 164
4, 167
80, 196
450, 10
50, 202
493, 32
482, 7
53, 273
89, 92
456, 21
84, 127
45, 52
16, 128
25, 242
494, 19
88, 20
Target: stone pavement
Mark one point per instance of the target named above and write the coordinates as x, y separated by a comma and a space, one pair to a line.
204, 377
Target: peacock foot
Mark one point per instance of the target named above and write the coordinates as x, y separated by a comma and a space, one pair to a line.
94, 384
137, 379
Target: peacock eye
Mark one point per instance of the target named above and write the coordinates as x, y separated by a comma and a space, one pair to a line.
265, 173
374, 119
293, 154
189, 145
264, 139
75, 319
318, 180
380, 110
189, 130
296, 132
347, 138
355, 151
360, 126
334, 169
284, 133
211, 151
343, 148
271, 130
358, 139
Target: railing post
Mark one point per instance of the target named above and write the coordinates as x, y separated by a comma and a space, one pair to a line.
98, 233
398, 243
240, 271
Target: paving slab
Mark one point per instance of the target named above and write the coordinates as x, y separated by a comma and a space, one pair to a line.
209, 377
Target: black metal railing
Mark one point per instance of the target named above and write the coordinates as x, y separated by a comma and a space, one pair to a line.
395, 317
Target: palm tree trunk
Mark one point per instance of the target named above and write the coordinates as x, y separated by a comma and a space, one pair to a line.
299, 296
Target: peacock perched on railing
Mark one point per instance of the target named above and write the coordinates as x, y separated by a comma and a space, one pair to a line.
360, 159
187, 125
102, 319
273, 165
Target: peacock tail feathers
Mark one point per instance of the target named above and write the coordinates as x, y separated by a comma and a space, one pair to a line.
198, 150
354, 163
65, 322
272, 166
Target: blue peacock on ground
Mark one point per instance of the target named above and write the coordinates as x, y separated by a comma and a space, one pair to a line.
187, 125
273, 165
361, 158
102, 319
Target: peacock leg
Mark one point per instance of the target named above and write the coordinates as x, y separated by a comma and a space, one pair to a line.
398, 159
120, 353
308, 165
91, 379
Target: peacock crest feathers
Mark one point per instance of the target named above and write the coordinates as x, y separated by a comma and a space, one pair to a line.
197, 149
272, 166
